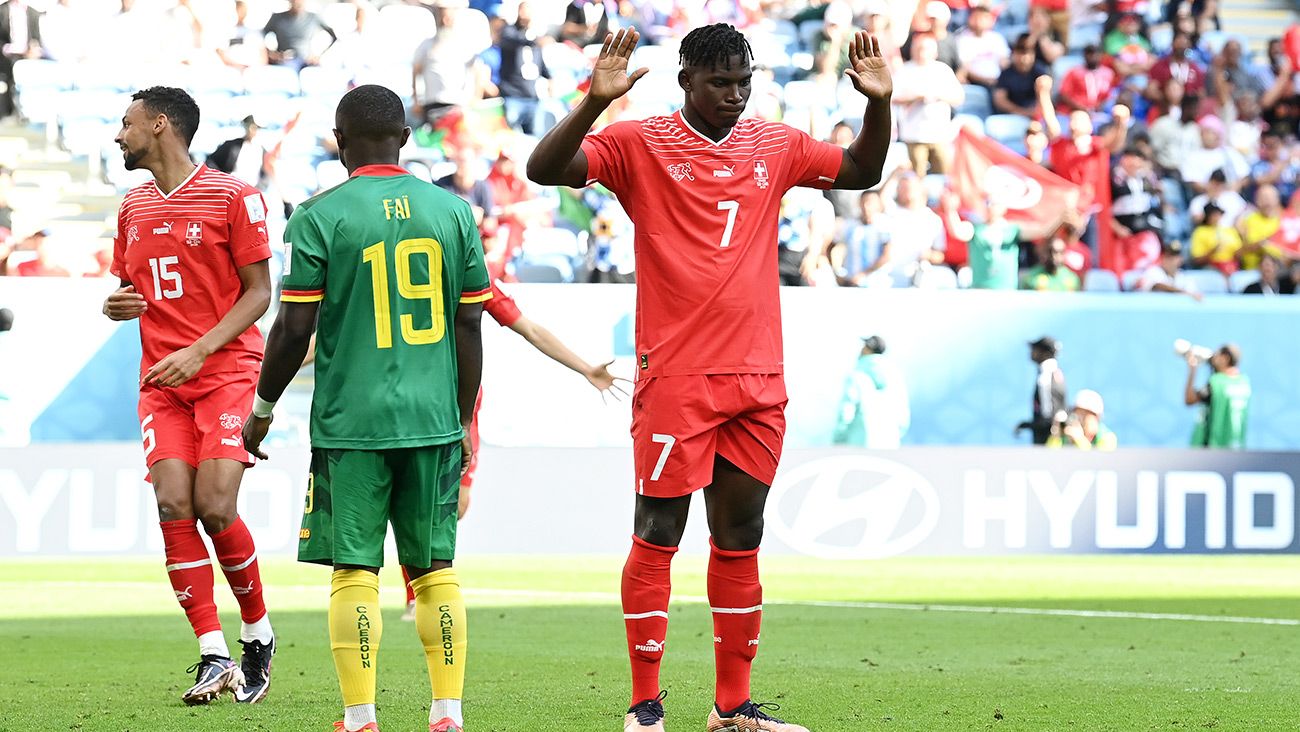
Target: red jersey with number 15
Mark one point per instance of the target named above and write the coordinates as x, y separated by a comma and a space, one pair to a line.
706, 216
182, 251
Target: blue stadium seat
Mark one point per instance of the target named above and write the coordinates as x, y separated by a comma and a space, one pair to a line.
1207, 281
1100, 280
103, 77
317, 81
1064, 64
970, 122
538, 273
809, 32
39, 86
978, 101
934, 183
216, 80
1084, 35
1130, 280
1161, 37
1007, 129
280, 80
1242, 279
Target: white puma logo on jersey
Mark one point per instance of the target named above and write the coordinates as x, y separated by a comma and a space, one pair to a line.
726, 172
651, 646
163, 230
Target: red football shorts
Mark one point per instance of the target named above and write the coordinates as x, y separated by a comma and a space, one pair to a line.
679, 423
199, 420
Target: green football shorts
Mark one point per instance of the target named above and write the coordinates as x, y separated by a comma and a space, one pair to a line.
352, 496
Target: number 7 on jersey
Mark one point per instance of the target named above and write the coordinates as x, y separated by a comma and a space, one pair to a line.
731, 207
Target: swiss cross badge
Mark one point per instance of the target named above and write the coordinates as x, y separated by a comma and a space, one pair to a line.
760, 174
194, 233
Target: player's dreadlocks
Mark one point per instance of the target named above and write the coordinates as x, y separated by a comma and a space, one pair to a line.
714, 45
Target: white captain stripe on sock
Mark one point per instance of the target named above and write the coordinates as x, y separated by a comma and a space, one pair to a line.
187, 565
736, 610
236, 567
651, 614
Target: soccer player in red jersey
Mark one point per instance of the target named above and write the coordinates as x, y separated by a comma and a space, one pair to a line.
191, 252
703, 187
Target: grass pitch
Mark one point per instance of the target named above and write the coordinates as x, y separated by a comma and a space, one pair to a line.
910, 644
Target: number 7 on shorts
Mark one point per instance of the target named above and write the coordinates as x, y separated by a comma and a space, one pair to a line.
668, 441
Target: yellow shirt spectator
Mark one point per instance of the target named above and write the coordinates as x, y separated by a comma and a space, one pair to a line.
1215, 244
1258, 229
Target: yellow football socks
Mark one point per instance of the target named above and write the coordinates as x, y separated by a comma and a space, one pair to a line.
440, 621
355, 627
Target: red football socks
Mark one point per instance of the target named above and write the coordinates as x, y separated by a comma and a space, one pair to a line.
238, 559
189, 568
736, 598
647, 583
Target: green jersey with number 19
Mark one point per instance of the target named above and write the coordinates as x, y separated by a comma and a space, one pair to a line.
389, 257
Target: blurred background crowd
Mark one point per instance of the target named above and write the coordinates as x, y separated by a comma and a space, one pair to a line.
1144, 145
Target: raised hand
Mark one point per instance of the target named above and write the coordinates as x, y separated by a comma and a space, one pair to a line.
868, 69
609, 78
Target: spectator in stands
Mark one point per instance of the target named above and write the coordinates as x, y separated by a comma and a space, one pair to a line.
874, 412
1088, 87
1083, 428
1230, 75
467, 181
1049, 389
1129, 51
1036, 143
587, 21
1052, 275
243, 157
1177, 66
831, 53
1245, 127
992, 246
1270, 281
932, 20
847, 203
1084, 159
43, 264
916, 234
804, 234
1258, 227
296, 32
1277, 62
1050, 17
246, 46
1136, 209
1215, 243
982, 51
1224, 400
1278, 166
1213, 155
1288, 233
1281, 104
1047, 40
1015, 92
925, 92
66, 32
1175, 133
516, 207
1078, 257
864, 243
1167, 276
1218, 192
366, 47
448, 65
522, 69
20, 38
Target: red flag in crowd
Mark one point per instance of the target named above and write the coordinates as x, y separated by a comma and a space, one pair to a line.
1036, 198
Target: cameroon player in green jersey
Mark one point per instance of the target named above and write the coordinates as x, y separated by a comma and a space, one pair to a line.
389, 270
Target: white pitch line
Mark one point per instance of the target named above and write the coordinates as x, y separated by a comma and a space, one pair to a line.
611, 597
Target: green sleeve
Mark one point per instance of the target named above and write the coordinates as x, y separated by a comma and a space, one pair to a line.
304, 259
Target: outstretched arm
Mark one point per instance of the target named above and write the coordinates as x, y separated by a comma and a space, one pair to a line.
1043, 86
864, 158
547, 342
558, 159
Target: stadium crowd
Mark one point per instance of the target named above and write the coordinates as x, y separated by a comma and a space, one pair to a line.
1175, 146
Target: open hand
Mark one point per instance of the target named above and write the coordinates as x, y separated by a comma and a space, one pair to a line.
609, 78
867, 68
124, 304
255, 429
607, 383
177, 368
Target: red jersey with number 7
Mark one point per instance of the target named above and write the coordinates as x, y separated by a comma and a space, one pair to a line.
706, 216
182, 251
